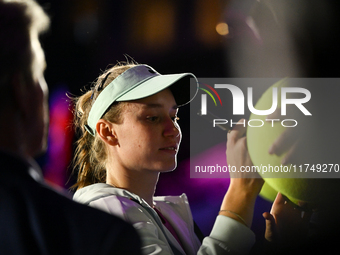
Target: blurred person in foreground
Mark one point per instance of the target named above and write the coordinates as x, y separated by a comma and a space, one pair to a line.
34, 219
297, 39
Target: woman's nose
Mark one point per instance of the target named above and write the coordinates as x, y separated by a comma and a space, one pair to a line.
171, 128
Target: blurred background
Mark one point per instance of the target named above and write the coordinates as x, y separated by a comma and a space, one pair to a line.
215, 38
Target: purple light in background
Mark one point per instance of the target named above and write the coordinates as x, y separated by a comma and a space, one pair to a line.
59, 153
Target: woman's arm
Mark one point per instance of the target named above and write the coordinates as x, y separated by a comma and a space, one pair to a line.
231, 233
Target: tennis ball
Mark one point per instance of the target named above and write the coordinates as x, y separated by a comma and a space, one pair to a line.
259, 140
268, 193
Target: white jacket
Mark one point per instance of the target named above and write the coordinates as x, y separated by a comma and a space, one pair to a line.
227, 237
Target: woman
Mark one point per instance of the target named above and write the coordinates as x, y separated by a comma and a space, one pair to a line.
128, 135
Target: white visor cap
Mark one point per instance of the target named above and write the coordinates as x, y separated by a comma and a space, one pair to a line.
138, 82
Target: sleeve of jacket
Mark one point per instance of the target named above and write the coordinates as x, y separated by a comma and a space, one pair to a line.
228, 236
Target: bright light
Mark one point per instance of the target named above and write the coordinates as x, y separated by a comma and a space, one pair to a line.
222, 28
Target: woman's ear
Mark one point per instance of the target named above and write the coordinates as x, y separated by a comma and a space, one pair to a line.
106, 132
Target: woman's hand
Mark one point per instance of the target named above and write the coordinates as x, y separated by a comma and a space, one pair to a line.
244, 187
238, 158
288, 142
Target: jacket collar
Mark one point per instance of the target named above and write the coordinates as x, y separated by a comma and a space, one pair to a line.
16, 166
99, 190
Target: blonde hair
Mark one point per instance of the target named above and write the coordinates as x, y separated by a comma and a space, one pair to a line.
90, 154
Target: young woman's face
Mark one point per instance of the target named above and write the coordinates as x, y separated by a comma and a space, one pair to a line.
149, 137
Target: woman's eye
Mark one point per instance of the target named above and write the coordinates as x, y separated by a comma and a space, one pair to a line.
152, 118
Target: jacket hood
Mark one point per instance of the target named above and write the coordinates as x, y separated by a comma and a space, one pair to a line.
96, 191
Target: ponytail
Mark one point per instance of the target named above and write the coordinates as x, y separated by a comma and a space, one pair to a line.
91, 153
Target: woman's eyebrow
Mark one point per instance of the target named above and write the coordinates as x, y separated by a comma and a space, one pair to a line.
152, 105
